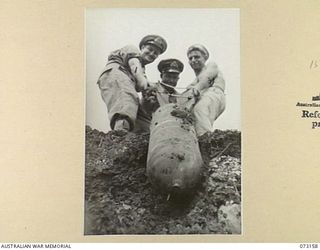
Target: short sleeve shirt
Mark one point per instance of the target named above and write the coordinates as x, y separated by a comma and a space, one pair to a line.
123, 55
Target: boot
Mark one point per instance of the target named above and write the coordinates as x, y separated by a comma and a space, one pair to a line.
121, 124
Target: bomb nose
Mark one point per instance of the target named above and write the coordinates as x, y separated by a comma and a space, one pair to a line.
176, 188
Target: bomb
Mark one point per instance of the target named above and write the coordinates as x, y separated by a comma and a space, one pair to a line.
174, 162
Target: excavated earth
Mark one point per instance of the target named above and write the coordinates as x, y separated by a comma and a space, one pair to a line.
120, 200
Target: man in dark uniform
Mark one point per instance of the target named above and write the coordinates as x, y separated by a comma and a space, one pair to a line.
161, 93
124, 76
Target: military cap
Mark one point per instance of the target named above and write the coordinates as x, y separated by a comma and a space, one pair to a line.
170, 65
155, 40
200, 48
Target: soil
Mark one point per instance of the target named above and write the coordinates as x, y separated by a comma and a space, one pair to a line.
120, 200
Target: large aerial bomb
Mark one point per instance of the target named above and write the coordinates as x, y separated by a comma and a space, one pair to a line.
174, 161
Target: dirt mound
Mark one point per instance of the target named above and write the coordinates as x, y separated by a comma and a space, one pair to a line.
120, 200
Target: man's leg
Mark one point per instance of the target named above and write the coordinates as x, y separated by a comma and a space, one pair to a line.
210, 106
143, 121
201, 113
119, 94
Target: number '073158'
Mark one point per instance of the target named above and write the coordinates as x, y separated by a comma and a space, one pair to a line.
304, 245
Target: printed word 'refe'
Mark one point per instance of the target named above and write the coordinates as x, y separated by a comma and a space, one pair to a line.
308, 114
314, 114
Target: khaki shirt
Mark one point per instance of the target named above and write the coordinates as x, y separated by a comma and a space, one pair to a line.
120, 59
163, 97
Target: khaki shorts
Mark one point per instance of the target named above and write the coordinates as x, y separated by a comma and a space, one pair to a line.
119, 94
210, 106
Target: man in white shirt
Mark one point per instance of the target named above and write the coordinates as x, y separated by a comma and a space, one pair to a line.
208, 87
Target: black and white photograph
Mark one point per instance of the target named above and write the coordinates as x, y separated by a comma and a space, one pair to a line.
163, 122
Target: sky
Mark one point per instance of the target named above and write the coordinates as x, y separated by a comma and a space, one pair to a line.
217, 29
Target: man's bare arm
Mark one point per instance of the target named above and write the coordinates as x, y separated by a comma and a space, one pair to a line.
207, 75
137, 71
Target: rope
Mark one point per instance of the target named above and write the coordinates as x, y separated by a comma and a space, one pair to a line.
169, 86
178, 96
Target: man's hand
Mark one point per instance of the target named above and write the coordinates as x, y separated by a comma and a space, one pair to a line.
149, 93
195, 92
150, 101
142, 85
